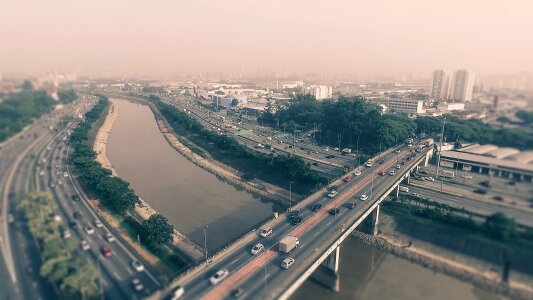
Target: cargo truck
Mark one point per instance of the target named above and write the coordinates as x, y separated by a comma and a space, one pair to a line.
288, 243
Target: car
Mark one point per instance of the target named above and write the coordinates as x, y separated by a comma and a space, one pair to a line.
423, 172
137, 285
59, 181
73, 224
52, 185
257, 249
403, 162
333, 193
391, 173
382, 173
429, 178
480, 191
296, 220
398, 166
381, 161
368, 165
65, 174
334, 211
398, 150
85, 246
177, 293
137, 265
41, 173
76, 215
485, 183
465, 176
65, 233
347, 179
237, 293
98, 223
499, 198
219, 276
316, 207
89, 229
10, 218
266, 232
336, 149
287, 262
109, 237
363, 197
351, 205
357, 173
293, 214
75, 198
106, 251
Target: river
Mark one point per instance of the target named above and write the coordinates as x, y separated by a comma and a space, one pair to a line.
191, 197
187, 195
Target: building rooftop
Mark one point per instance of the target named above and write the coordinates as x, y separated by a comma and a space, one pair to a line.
486, 160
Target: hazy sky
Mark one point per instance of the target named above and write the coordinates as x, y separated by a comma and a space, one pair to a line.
378, 36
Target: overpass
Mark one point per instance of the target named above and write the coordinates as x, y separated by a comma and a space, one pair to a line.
320, 234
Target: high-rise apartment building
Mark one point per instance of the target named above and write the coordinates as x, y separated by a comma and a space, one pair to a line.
462, 85
319, 91
440, 89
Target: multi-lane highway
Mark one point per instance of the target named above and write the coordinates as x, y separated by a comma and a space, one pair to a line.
42, 164
257, 275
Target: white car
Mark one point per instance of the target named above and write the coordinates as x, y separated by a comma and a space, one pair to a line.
177, 293
41, 173
137, 285
89, 229
466, 176
368, 165
109, 237
363, 197
332, 194
219, 276
287, 262
398, 166
430, 178
257, 249
357, 173
65, 174
391, 173
98, 223
266, 232
137, 265
85, 246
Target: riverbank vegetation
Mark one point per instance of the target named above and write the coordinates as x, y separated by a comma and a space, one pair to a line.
20, 109
349, 122
498, 228
114, 193
276, 169
74, 276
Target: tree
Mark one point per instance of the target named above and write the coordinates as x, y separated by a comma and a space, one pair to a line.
500, 226
156, 231
27, 85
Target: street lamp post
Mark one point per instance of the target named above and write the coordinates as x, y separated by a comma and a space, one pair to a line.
290, 195
205, 244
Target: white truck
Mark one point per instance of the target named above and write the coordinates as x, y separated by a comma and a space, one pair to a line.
288, 243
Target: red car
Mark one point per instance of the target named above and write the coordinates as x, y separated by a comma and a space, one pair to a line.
498, 198
382, 173
106, 251
347, 179
403, 162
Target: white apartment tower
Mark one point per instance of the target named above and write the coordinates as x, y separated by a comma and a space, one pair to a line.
441, 85
462, 86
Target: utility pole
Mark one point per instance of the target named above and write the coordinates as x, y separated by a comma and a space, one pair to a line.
440, 148
205, 244
290, 195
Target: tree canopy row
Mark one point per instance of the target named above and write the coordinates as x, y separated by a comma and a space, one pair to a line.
352, 121
19, 109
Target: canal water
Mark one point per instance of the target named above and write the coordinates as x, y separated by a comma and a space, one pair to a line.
191, 197
187, 195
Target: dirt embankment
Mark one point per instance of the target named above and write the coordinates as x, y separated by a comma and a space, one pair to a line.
451, 263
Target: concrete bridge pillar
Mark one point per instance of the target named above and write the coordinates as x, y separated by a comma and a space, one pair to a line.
397, 191
327, 274
370, 224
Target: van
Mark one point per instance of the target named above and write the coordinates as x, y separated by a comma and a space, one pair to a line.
265, 232
404, 189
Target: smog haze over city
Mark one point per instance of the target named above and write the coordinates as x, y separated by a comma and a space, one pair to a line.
362, 37
297, 149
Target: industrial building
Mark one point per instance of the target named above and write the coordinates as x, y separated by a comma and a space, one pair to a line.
489, 159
